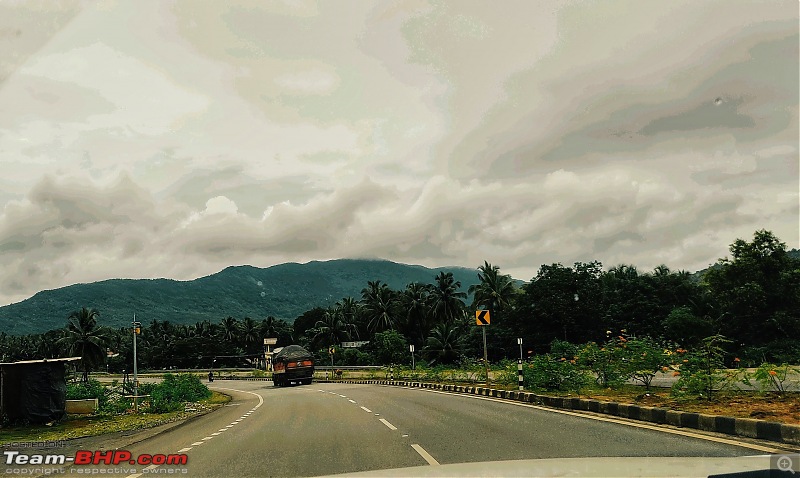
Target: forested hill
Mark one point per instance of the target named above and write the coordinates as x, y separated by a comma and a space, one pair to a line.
283, 291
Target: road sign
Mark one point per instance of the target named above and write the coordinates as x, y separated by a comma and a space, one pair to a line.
353, 345
270, 341
482, 317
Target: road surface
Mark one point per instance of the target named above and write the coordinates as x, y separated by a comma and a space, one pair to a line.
332, 428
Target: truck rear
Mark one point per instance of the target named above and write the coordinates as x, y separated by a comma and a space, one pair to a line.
292, 364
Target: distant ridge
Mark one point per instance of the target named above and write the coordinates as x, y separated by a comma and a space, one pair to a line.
285, 291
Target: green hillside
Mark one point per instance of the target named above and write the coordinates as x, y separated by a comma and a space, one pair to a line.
283, 291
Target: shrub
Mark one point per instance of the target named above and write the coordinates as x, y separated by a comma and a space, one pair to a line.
699, 369
770, 377
605, 362
90, 389
644, 357
174, 391
546, 372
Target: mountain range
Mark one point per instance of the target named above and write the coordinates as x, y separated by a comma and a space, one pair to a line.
283, 291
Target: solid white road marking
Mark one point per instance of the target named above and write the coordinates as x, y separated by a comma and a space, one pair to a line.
622, 422
366, 409
391, 427
184, 449
425, 455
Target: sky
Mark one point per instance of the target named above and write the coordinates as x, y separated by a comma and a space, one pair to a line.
172, 139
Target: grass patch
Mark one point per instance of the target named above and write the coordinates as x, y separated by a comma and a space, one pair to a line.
76, 426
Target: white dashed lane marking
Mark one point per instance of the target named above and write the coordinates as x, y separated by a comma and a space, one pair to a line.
184, 449
425, 455
391, 427
366, 409
197, 443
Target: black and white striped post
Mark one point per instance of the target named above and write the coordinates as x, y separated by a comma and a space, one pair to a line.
391, 374
519, 365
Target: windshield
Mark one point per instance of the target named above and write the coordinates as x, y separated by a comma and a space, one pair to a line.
310, 238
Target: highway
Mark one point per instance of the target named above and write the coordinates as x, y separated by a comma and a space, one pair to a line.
329, 428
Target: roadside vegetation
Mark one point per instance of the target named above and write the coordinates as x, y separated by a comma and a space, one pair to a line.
176, 398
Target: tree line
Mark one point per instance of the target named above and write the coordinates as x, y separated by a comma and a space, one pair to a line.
752, 298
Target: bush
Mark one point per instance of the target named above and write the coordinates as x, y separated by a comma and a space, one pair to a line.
605, 362
546, 372
771, 377
90, 389
171, 394
700, 370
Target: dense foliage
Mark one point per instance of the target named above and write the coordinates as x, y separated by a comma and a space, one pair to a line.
751, 298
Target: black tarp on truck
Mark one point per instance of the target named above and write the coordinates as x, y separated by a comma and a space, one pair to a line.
291, 364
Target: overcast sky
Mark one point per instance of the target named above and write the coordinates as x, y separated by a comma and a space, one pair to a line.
172, 139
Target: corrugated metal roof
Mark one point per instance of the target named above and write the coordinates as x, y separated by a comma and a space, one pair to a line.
62, 359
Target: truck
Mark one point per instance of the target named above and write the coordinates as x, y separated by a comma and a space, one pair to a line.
292, 364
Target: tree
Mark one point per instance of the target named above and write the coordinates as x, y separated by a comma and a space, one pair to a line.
85, 339
494, 291
333, 329
447, 302
445, 343
758, 292
230, 329
379, 302
414, 300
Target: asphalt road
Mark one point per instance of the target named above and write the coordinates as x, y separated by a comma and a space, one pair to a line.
325, 429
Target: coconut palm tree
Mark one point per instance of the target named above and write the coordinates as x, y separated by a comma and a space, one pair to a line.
333, 328
250, 333
414, 300
379, 306
85, 338
229, 328
445, 343
447, 302
494, 291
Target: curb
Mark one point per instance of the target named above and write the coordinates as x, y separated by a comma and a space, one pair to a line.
744, 427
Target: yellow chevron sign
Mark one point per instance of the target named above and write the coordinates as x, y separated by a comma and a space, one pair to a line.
482, 317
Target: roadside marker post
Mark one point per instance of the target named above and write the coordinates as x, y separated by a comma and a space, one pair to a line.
483, 318
519, 365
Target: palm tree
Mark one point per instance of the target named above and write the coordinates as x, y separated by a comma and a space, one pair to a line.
333, 328
447, 302
230, 329
445, 343
414, 300
379, 302
494, 290
85, 338
250, 332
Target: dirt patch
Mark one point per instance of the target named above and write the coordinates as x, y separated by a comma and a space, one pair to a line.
775, 408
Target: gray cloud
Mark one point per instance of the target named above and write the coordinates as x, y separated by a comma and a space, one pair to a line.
175, 139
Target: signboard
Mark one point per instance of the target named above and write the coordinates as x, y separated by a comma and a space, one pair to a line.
352, 345
270, 341
482, 317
